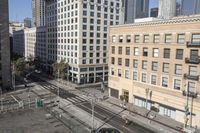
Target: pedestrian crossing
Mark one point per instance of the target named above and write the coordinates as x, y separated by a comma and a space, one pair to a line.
69, 97
75, 100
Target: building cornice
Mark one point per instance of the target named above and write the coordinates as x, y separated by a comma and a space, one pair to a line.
176, 20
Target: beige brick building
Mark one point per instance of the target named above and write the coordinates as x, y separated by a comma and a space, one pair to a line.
156, 64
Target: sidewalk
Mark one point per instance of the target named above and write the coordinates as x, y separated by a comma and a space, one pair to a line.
139, 115
153, 121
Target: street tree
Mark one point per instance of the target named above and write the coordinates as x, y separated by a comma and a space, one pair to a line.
37, 62
60, 68
19, 66
30, 60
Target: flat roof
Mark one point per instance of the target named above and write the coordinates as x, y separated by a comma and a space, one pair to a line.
181, 19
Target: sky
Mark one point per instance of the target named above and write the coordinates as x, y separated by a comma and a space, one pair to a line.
20, 9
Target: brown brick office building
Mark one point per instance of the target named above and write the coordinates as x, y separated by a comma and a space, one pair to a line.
156, 64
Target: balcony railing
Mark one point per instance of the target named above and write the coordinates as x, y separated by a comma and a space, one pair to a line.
190, 94
193, 44
192, 77
192, 60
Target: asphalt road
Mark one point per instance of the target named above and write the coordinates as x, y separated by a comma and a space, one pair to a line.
102, 113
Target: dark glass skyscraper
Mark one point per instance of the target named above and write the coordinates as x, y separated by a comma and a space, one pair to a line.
190, 7
135, 9
5, 69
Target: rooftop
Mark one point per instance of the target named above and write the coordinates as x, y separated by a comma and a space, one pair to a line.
181, 19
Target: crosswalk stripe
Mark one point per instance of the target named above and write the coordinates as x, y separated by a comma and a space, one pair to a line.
71, 100
77, 100
80, 99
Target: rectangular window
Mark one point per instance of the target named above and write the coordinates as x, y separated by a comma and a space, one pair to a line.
164, 81
154, 66
166, 67
191, 87
193, 71
156, 38
136, 51
112, 71
194, 54
121, 39
113, 49
113, 39
145, 51
119, 72
144, 77
178, 69
127, 50
127, 74
155, 52
153, 79
179, 54
112, 60
144, 65
128, 38
135, 63
119, 61
166, 111
177, 84
134, 75
127, 62
146, 38
196, 38
137, 38
120, 50
166, 53
168, 38
181, 38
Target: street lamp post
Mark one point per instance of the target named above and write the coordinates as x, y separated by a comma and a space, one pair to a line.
188, 110
92, 103
147, 93
58, 93
29, 100
1, 100
148, 96
13, 77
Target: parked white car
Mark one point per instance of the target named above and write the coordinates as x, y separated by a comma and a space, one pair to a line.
37, 71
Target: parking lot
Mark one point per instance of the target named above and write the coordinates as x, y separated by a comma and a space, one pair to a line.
30, 121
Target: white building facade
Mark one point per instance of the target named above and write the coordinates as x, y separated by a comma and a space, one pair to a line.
77, 32
30, 42
15, 26
167, 9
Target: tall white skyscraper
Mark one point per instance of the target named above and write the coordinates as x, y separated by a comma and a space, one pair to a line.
167, 9
38, 13
77, 32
